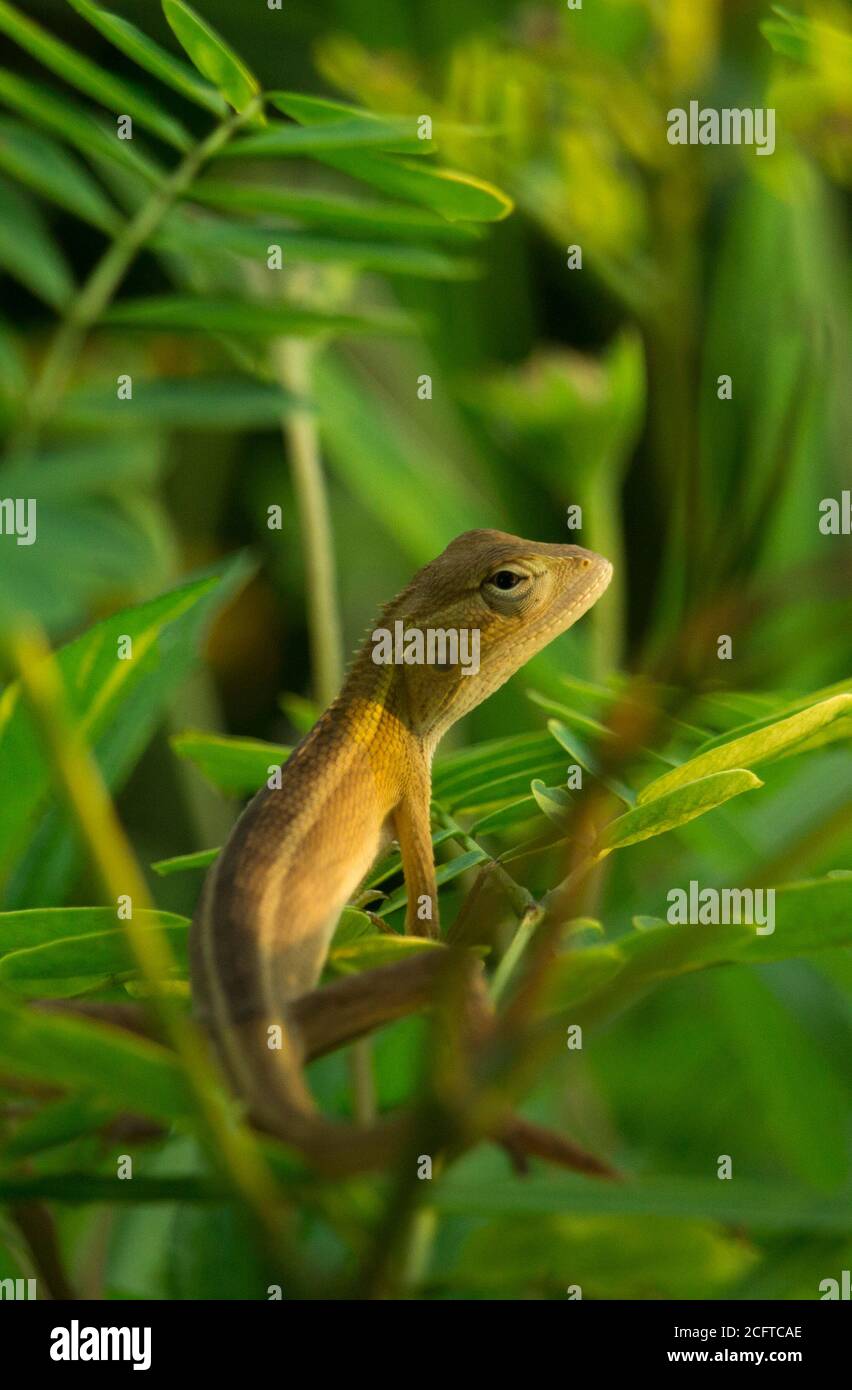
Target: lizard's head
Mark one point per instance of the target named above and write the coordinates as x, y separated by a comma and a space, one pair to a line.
516, 595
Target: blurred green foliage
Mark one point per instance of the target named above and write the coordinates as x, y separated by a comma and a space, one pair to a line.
551, 388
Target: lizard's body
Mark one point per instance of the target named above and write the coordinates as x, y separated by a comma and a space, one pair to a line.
362, 776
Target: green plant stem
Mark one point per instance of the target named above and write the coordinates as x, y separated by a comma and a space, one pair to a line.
519, 897
106, 277
79, 781
293, 360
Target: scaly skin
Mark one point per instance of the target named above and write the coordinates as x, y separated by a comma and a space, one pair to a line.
272, 900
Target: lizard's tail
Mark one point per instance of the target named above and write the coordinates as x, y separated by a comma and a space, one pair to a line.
243, 980
253, 984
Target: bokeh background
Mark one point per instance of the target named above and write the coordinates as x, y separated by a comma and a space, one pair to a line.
550, 387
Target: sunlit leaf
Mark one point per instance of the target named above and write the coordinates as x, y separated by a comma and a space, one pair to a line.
676, 807
214, 58
179, 863
455, 196
69, 964
370, 952
767, 742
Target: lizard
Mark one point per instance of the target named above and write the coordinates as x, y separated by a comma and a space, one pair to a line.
361, 777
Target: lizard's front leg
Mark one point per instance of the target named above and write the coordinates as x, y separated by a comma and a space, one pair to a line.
414, 832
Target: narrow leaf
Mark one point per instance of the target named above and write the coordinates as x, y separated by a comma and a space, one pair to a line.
675, 808
73, 125
112, 92
188, 314
769, 741
29, 253
150, 56
214, 59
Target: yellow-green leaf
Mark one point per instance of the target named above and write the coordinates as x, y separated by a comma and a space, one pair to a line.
214, 59
675, 808
765, 743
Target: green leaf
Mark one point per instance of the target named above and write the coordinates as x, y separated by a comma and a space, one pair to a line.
47, 869
214, 59
86, 547
13, 371
37, 161
608, 1256
444, 191
801, 1105
333, 210
98, 687
353, 926
150, 56
179, 863
29, 253
280, 141
206, 403
769, 741
212, 237
675, 808
320, 111
746, 1202
71, 471
369, 952
112, 92
554, 802
237, 766
815, 915
69, 964
54, 1124
516, 813
108, 1062
48, 926
445, 873
188, 314
582, 754
75, 126
213, 1255
454, 196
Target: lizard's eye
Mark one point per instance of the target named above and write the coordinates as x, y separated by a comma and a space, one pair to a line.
506, 579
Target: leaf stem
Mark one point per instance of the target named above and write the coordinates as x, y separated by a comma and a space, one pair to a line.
293, 360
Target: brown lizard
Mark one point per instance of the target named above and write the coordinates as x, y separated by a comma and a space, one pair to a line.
297, 854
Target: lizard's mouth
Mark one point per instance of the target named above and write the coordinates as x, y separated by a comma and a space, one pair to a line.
577, 602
